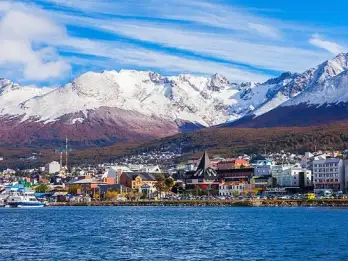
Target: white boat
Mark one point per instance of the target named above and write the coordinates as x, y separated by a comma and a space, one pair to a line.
24, 199
3, 197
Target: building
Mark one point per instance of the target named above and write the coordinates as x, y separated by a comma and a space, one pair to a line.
204, 176
345, 189
235, 175
261, 183
292, 176
233, 188
233, 164
52, 167
328, 174
139, 181
87, 186
262, 167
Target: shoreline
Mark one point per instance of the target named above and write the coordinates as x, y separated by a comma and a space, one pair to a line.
336, 203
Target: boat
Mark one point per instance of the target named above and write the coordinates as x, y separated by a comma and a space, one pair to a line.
23, 199
3, 197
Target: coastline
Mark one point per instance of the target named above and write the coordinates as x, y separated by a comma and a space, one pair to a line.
336, 203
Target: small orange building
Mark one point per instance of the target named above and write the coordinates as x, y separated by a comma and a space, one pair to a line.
233, 164
88, 186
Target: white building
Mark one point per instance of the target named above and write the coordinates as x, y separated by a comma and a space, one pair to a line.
262, 168
328, 174
115, 172
281, 174
292, 175
230, 189
52, 167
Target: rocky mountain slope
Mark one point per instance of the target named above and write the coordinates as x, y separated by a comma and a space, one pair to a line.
103, 108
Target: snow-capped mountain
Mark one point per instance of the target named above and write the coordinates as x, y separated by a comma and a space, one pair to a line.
320, 97
102, 108
183, 98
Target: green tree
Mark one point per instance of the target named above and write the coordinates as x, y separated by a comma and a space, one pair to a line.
160, 184
235, 193
73, 189
110, 195
42, 188
169, 182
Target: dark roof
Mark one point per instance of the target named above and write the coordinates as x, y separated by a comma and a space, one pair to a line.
204, 170
240, 170
143, 175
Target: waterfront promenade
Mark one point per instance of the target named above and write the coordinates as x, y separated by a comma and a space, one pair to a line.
214, 203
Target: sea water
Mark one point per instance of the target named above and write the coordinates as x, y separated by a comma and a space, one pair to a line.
173, 233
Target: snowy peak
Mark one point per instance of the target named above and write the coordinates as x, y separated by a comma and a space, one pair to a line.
321, 82
205, 101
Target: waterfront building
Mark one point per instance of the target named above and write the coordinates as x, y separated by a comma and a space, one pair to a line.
235, 175
204, 175
139, 181
232, 188
328, 174
87, 186
261, 183
292, 176
52, 167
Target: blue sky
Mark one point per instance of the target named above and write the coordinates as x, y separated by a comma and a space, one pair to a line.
50, 42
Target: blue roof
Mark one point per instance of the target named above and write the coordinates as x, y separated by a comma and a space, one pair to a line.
332, 160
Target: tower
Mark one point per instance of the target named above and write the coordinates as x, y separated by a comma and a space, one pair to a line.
61, 159
66, 152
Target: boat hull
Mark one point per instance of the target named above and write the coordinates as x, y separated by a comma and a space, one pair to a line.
25, 204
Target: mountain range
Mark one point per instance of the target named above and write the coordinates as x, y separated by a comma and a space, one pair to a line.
98, 109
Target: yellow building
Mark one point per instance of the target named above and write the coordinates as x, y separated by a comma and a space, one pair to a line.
138, 181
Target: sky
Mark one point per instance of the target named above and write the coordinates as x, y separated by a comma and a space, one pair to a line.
50, 42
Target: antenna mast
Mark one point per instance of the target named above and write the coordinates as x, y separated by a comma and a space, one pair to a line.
61, 159
66, 152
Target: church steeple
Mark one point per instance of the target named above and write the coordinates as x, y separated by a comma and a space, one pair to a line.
204, 170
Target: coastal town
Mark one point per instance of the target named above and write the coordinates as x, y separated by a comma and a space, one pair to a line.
321, 175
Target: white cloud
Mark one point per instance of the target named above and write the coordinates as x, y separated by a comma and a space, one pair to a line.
24, 26
128, 55
23, 31
228, 47
238, 42
214, 31
265, 30
331, 47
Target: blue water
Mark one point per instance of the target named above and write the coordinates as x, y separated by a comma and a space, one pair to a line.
169, 233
